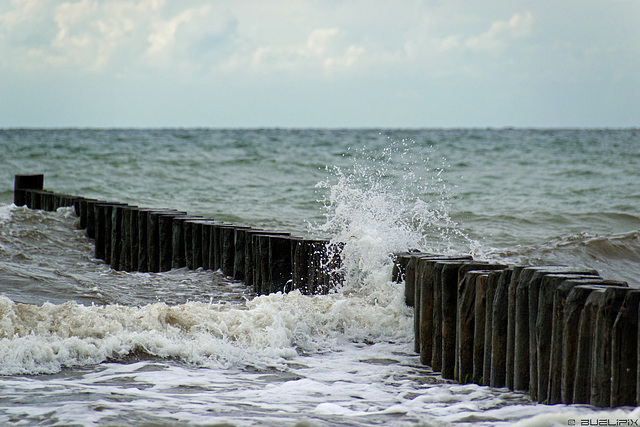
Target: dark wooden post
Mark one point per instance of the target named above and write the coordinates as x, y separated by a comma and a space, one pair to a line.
499, 330
624, 352
601, 369
544, 330
535, 276
25, 182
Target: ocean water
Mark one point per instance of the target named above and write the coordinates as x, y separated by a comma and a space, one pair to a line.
81, 344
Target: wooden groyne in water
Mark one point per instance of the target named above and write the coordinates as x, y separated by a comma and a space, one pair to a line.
560, 333
132, 238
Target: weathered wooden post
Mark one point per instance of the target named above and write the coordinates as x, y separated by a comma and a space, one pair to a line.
601, 368
77, 208
188, 228
157, 239
102, 231
499, 330
25, 182
584, 355
315, 276
148, 239
227, 235
544, 330
410, 288
511, 326
452, 273
425, 314
129, 238
196, 245
521, 329
199, 244
178, 242
624, 360
436, 357
261, 272
421, 284
116, 236
249, 257
480, 315
165, 222
30, 198
46, 201
534, 277
300, 250
239, 258
280, 263
465, 324
410, 281
563, 351
492, 285
469, 276
88, 212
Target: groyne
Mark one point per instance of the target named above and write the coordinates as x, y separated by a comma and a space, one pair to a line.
562, 334
132, 238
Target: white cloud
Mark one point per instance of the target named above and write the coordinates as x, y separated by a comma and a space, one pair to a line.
301, 40
501, 34
163, 36
318, 41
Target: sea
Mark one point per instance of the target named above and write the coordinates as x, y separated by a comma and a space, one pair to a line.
84, 345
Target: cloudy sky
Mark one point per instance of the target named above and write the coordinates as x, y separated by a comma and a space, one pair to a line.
319, 63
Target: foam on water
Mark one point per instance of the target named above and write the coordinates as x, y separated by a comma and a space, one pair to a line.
271, 329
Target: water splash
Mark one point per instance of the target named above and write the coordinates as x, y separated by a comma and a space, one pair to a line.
387, 201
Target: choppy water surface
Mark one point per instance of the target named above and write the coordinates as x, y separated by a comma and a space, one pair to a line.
82, 344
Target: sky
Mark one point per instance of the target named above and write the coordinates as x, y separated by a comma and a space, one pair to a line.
319, 63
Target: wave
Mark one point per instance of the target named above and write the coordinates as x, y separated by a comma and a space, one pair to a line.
266, 331
615, 256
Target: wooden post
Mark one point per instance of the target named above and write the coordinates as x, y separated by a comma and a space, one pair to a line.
148, 237
315, 276
25, 182
130, 238
480, 315
492, 285
624, 352
300, 265
584, 355
499, 331
544, 330
280, 263
468, 276
562, 352
465, 325
102, 231
601, 368
178, 244
452, 273
425, 303
165, 239
410, 289
116, 236
535, 276
239, 259
511, 326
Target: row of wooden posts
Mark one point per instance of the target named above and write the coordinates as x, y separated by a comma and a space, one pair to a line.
562, 334
132, 238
